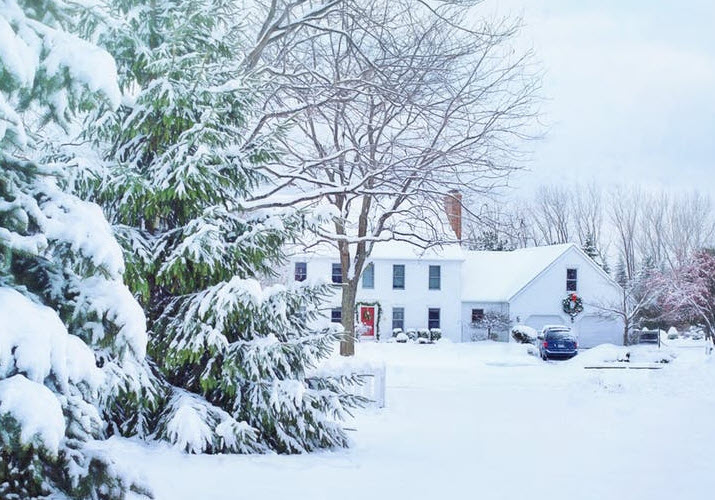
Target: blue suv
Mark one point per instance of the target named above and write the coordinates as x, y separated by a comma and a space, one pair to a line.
557, 342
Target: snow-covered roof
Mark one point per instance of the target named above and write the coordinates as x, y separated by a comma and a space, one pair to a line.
498, 276
392, 250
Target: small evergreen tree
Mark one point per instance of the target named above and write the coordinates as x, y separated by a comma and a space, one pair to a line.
490, 240
621, 275
179, 169
72, 337
590, 249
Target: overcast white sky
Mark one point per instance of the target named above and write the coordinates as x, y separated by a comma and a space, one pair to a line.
630, 87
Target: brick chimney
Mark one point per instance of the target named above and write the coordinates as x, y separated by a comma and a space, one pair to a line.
453, 208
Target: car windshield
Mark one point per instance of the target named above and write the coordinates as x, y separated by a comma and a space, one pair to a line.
558, 335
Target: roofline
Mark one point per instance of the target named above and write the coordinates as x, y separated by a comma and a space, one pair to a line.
370, 258
583, 254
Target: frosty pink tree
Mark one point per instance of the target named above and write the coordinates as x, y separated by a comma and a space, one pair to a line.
687, 294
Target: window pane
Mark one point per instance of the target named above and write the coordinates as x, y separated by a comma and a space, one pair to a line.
398, 276
398, 318
301, 271
433, 318
477, 315
337, 276
336, 315
435, 277
368, 276
571, 280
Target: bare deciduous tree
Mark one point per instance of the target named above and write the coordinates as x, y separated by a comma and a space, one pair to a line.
551, 214
636, 297
490, 326
397, 105
624, 214
588, 214
690, 227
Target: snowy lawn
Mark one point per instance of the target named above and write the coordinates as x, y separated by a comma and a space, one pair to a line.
488, 421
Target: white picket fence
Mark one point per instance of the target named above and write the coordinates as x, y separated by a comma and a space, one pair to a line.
373, 386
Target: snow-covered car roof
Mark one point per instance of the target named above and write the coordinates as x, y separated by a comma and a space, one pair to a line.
556, 327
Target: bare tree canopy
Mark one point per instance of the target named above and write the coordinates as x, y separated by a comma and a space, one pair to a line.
396, 105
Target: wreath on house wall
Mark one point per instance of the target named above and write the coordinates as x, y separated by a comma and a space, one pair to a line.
572, 305
378, 316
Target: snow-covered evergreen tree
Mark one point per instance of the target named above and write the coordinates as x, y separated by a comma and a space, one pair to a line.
590, 249
621, 275
72, 337
490, 240
179, 166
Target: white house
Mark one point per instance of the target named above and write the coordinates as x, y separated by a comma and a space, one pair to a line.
450, 288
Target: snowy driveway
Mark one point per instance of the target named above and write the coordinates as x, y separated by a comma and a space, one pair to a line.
485, 421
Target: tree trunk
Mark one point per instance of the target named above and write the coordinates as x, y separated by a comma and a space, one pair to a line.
349, 292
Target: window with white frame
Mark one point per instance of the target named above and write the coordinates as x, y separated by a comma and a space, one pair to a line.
435, 277
368, 276
398, 277
433, 316
337, 274
398, 318
571, 280
477, 315
301, 271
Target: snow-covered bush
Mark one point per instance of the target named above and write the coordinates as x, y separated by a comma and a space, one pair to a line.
411, 334
396, 331
402, 338
435, 334
490, 326
524, 334
672, 333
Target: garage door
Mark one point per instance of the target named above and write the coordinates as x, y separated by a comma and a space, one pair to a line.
537, 321
592, 331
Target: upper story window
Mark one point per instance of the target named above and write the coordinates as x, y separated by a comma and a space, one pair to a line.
398, 277
337, 275
571, 280
433, 318
435, 277
477, 315
398, 318
336, 315
301, 271
368, 276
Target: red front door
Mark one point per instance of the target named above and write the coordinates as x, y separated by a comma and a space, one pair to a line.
367, 319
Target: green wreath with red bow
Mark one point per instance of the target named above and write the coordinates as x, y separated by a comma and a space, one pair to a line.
573, 305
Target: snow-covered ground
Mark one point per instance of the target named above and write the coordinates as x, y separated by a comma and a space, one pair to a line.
486, 420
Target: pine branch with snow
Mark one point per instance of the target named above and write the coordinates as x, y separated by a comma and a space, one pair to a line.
72, 338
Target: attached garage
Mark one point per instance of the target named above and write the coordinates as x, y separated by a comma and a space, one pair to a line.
538, 321
594, 330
